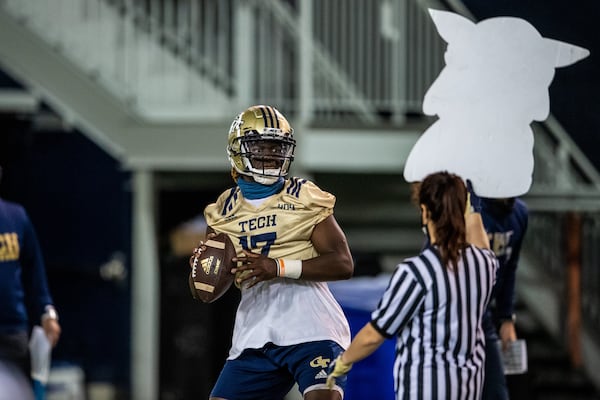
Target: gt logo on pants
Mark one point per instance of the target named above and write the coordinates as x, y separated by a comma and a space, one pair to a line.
320, 362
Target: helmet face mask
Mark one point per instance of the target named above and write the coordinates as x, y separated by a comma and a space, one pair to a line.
261, 144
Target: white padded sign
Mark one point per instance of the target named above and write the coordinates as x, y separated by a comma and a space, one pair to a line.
494, 84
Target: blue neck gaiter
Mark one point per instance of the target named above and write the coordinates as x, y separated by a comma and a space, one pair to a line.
254, 190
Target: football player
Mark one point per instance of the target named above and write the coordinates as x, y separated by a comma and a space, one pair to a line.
288, 326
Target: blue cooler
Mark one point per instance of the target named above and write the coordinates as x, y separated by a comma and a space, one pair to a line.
371, 378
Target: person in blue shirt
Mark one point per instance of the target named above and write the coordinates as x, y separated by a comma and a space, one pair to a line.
25, 299
505, 221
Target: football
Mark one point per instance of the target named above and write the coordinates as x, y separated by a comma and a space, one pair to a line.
211, 272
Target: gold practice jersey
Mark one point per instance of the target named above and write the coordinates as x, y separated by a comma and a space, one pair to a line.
282, 311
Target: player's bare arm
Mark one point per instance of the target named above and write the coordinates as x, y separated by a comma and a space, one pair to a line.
335, 260
476, 233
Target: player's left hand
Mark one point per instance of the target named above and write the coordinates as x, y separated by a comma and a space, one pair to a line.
52, 329
337, 369
197, 252
253, 268
507, 333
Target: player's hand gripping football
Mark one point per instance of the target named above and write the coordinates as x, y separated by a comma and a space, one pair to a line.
337, 370
253, 268
194, 259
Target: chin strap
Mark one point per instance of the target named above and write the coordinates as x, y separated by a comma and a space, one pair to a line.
254, 190
234, 175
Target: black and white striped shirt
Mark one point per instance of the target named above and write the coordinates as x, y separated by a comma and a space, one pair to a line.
436, 312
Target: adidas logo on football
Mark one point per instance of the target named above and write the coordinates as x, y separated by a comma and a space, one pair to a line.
321, 375
206, 264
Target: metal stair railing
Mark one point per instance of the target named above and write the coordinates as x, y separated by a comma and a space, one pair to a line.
288, 46
369, 63
191, 31
124, 53
566, 184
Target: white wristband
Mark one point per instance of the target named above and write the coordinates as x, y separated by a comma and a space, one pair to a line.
289, 268
49, 313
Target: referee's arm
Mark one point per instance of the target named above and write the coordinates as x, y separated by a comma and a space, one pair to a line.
476, 234
366, 341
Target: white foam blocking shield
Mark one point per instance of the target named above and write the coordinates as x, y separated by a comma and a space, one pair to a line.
495, 83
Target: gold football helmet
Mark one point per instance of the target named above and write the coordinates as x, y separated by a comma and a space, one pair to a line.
261, 144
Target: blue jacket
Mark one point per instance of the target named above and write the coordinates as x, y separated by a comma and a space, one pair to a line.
506, 229
23, 285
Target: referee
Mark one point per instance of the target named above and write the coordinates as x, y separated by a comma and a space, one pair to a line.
434, 303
